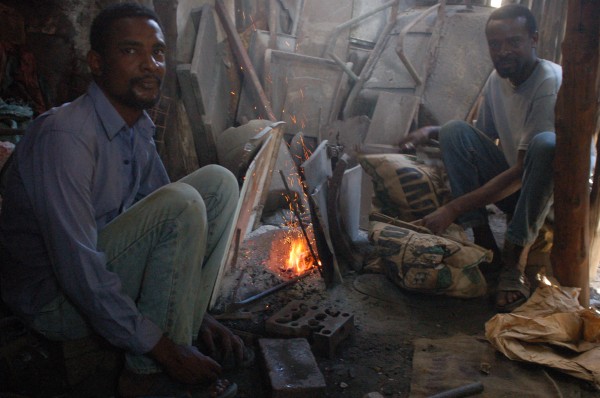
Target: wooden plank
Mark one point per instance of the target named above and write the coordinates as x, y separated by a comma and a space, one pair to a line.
203, 139
575, 125
250, 205
316, 172
210, 77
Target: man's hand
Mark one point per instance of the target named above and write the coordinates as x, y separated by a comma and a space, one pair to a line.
185, 363
418, 137
438, 221
213, 334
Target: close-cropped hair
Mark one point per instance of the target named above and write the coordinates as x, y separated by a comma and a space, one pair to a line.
513, 11
102, 24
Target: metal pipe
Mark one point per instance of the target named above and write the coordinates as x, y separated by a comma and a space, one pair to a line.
463, 391
400, 46
251, 299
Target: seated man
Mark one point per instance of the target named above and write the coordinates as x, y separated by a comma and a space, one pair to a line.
518, 108
94, 238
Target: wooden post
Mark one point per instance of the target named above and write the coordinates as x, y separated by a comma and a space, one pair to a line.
575, 124
179, 159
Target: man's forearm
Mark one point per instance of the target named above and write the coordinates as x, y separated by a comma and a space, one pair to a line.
498, 188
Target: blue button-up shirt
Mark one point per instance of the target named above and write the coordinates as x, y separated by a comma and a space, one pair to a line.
77, 168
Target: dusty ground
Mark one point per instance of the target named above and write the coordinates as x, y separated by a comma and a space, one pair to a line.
378, 355
391, 328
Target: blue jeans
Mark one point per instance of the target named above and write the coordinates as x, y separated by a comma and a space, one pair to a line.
472, 159
167, 250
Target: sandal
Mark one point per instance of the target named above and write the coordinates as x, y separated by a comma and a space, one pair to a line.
222, 388
512, 280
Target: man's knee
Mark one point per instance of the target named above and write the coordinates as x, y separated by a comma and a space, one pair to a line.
452, 130
180, 198
543, 144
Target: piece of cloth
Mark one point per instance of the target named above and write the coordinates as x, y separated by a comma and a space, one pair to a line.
472, 159
157, 248
74, 171
516, 114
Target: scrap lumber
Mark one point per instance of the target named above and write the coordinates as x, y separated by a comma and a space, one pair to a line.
303, 90
264, 106
316, 171
576, 109
259, 43
206, 87
252, 196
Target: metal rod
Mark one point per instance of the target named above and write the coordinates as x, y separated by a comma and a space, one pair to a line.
464, 391
297, 214
251, 299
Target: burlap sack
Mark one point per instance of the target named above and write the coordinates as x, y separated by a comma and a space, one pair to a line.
404, 187
429, 263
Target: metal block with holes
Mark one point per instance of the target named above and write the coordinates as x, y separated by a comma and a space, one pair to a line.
325, 328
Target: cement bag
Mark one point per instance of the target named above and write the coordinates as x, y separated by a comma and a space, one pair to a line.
551, 329
428, 263
404, 187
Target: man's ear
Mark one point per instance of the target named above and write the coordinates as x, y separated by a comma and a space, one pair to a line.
95, 61
534, 38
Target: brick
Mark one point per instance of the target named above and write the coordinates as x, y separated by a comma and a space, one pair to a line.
292, 368
325, 327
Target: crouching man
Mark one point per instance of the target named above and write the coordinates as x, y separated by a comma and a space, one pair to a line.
518, 108
95, 239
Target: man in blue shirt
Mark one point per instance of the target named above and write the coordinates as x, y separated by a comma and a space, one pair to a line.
94, 238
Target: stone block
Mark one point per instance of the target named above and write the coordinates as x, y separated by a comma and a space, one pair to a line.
292, 368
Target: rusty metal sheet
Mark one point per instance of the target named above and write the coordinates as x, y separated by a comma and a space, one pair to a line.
392, 118
259, 43
303, 90
318, 20
463, 65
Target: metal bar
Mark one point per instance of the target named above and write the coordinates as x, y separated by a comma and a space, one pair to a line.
251, 299
400, 46
464, 391
297, 214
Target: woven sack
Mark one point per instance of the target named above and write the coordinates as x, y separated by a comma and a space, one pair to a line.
428, 263
403, 187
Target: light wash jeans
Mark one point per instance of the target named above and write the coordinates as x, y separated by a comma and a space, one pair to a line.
166, 249
472, 159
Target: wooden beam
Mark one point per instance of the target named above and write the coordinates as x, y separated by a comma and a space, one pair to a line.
575, 125
244, 60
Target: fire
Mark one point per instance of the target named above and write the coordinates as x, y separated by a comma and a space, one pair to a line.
300, 259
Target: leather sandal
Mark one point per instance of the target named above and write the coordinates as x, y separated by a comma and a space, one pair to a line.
512, 280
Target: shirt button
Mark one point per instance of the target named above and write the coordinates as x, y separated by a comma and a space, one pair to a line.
126, 161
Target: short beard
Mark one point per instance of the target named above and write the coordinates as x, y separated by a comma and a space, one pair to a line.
131, 100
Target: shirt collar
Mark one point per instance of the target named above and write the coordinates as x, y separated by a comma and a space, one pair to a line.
112, 122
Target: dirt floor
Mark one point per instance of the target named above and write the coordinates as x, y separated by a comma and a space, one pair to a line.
401, 345
378, 356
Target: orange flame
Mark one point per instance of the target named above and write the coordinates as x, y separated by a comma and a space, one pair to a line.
300, 259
